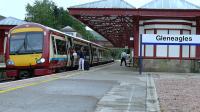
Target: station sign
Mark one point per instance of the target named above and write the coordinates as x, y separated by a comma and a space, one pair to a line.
170, 39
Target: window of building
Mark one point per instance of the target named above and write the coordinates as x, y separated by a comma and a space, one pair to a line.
174, 50
149, 48
186, 48
161, 50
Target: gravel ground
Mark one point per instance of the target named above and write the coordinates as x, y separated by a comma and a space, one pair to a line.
179, 95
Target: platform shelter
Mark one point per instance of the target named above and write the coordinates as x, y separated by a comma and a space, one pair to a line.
121, 23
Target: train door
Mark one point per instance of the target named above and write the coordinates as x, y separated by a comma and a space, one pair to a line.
98, 55
91, 56
53, 50
69, 45
77, 48
58, 52
87, 53
95, 55
86, 47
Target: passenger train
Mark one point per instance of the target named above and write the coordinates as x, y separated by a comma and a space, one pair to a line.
35, 50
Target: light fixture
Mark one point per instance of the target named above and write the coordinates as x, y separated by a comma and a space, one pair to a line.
131, 38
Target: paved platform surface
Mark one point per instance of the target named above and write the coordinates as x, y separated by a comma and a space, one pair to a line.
109, 88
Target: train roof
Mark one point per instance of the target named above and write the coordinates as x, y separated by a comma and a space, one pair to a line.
78, 38
54, 30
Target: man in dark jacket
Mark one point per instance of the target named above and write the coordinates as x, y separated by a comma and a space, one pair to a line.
81, 59
123, 58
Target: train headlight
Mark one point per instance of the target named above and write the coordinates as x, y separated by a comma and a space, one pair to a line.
10, 62
41, 60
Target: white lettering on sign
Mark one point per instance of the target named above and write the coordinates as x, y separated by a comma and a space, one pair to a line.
170, 39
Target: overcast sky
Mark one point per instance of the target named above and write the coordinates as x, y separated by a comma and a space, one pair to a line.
16, 8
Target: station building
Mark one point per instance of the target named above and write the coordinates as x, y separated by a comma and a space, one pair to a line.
122, 24
69, 30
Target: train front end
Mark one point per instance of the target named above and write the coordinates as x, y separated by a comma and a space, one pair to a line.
27, 51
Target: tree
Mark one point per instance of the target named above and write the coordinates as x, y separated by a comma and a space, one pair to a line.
47, 13
41, 12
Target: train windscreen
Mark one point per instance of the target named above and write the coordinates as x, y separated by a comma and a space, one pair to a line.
26, 43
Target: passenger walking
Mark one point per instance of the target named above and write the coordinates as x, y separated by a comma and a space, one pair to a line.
81, 59
123, 58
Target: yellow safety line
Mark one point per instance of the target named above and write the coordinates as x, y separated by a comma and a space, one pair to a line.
35, 83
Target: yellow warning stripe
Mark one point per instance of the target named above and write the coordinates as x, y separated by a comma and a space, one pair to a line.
45, 81
30, 29
35, 83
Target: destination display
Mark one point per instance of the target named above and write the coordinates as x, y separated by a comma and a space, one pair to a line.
170, 39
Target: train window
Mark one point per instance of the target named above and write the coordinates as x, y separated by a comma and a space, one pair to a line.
54, 45
94, 52
17, 43
70, 41
77, 47
25, 43
100, 53
61, 47
34, 42
87, 52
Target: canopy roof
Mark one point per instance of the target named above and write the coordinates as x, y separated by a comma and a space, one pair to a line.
106, 4
98, 36
117, 25
170, 4
11, 21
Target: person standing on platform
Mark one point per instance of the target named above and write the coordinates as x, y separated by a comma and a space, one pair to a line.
123, 58
81, 59
74, 57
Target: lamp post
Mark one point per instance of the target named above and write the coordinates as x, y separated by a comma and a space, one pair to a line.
131, 46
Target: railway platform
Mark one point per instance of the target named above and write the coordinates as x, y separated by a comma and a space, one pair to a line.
106, 88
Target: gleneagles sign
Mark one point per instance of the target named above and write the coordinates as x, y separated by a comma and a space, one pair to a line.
170, 39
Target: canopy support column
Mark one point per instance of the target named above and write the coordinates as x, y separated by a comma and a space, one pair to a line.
136, 37
198, 33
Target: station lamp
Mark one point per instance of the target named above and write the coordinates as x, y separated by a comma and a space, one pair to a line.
131, 38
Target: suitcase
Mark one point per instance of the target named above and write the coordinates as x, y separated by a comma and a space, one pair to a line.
86, 65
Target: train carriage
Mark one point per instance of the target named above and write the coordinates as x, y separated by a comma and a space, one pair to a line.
34, 49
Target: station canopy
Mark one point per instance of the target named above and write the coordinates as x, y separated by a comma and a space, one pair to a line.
118, 21
11, 21
170, 4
